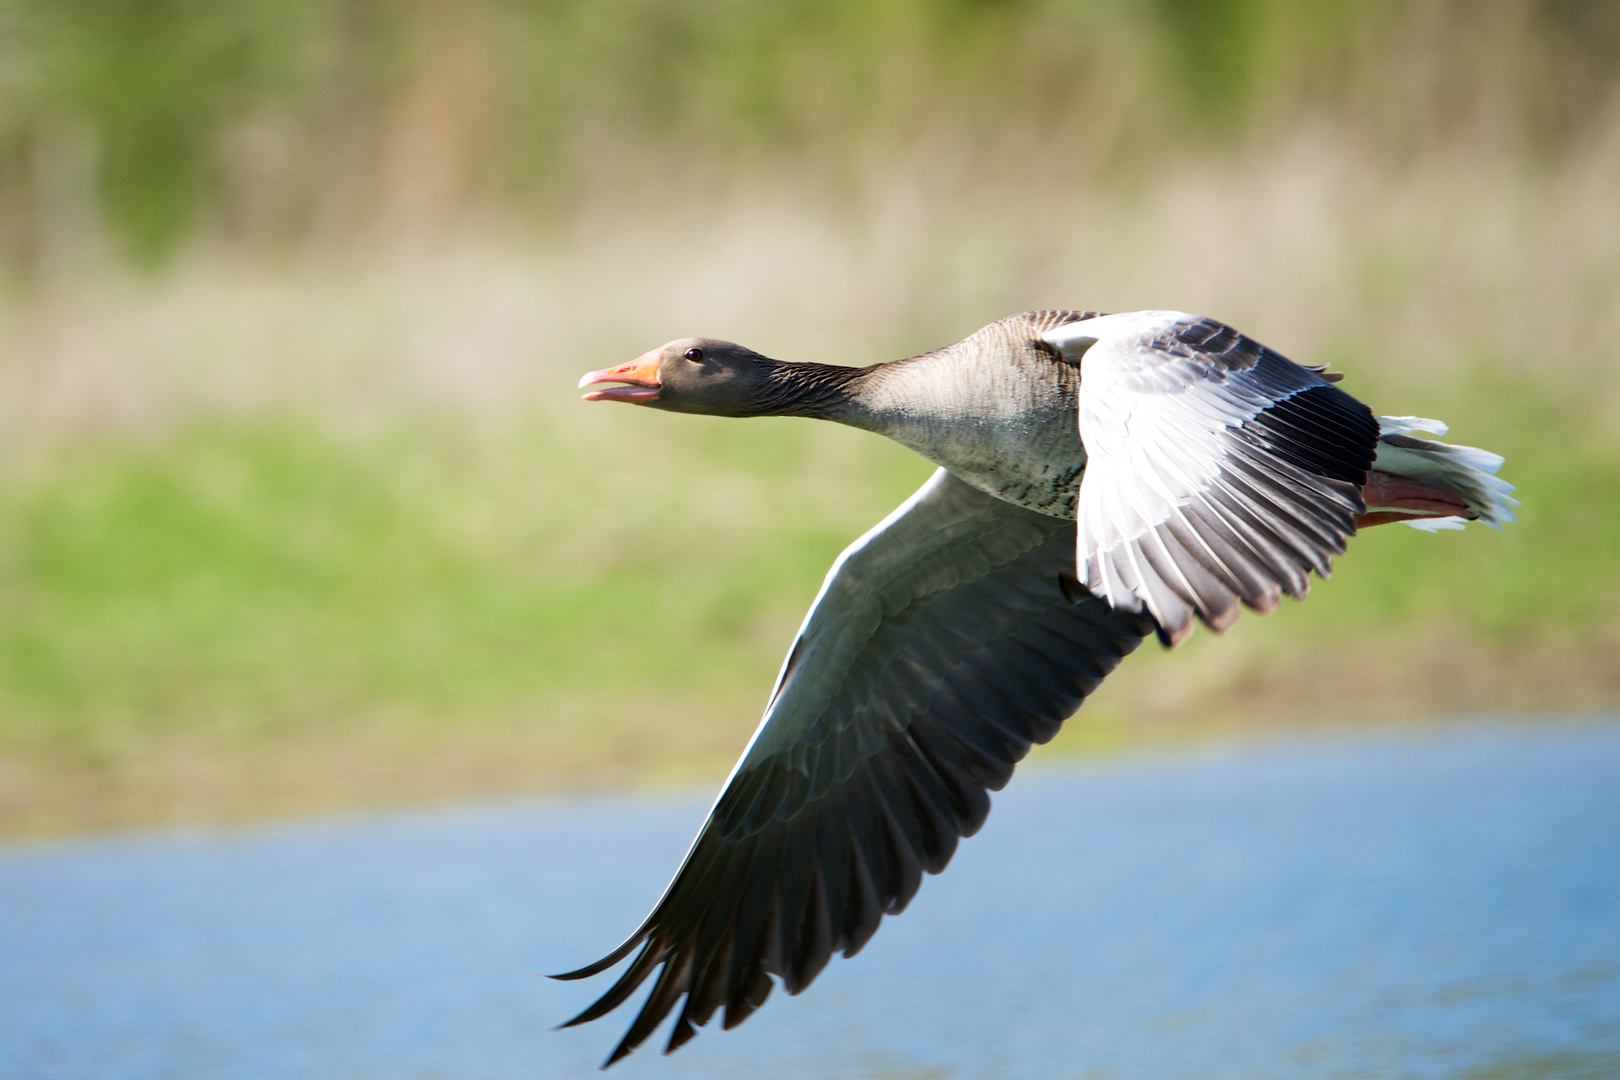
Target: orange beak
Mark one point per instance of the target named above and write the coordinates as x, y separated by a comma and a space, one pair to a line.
641, 375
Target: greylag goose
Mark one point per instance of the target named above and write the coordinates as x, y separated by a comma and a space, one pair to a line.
1101, 478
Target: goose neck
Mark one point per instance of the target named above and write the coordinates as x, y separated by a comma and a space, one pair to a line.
817, 391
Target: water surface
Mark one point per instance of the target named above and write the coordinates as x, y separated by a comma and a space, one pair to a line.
1443, 904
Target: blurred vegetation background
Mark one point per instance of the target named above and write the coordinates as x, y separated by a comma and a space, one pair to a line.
299, 509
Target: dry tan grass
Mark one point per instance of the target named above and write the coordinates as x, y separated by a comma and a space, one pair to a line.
1417, 275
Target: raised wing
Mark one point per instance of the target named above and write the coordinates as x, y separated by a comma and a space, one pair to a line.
1216, 470
943, 644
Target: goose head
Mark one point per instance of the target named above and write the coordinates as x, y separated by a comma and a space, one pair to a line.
718, 378
693, 375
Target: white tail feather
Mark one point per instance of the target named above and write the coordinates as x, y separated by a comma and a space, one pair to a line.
1467, 472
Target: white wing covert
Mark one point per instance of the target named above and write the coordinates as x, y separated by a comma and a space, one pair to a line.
1217, 471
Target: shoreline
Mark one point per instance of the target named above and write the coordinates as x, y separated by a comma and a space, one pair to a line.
1201, 696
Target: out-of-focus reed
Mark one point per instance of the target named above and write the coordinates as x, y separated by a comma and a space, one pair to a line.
273, 124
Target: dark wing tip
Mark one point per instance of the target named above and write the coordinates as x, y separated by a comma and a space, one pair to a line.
683, 1034
583, 973
1171, 634
601, 965
620, 1052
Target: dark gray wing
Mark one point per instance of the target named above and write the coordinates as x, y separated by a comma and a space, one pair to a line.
1217, 471
943, 644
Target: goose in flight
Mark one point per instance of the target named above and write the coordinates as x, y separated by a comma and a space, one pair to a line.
1101, 478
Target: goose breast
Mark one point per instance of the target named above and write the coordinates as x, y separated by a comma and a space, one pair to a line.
997, 409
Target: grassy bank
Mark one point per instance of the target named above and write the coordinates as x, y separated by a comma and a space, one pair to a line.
335, 531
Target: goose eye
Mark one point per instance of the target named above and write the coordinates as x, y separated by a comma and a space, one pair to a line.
694, 354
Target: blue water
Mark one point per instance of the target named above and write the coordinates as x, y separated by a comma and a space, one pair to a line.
1444, 904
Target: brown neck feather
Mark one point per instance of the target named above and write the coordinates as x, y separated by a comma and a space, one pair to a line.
819, 391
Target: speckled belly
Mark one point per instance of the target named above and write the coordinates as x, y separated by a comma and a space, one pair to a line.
1006, 420
1040, 469
1019, 440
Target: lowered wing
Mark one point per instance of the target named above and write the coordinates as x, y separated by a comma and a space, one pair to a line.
943, 644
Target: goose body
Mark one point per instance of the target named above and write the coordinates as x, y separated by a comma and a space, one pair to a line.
1102, 478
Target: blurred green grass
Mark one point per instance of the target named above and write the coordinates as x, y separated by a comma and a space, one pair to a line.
243, 581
